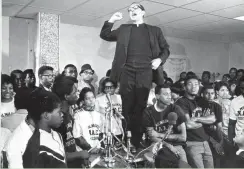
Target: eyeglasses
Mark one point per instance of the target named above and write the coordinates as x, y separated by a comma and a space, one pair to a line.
109, 87
131, 9
49, 76
88, 73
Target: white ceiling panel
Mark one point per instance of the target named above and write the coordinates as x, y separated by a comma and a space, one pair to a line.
176, 2
19, 2
171, 15
153, 7
196, 20
101, 7
231, 12
213, 5
60, 5
30, 12
75, 20
10, 9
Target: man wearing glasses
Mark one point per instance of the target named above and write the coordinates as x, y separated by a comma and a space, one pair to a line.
46, 77
140, 50
86, 74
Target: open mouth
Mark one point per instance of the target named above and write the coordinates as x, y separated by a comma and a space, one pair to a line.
134, 14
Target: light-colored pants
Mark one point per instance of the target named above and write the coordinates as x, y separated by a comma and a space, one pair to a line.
199, 154
182, 153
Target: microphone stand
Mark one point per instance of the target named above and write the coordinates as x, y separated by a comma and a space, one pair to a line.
109, 159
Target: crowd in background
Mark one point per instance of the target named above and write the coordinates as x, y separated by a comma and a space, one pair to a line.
73, 111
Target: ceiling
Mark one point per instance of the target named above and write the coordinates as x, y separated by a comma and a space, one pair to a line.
193, 19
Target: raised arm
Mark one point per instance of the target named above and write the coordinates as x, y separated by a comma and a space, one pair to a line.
107, 33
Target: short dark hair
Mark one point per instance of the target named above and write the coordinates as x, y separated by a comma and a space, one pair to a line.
70, 65
169, 80
15, 71
166, 158
240, 70
139, 5
177, 88
41, 101
206, 87
189, 77
42, 69
106, 81
241, 79
220, 84
6, 79
207, 73
108, 73
63, 85
159, 87
22, 98
190, 73
83, 93
233, 68
29, 71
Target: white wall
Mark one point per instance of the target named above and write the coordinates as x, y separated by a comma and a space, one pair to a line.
80, 45
237, 55
5, 43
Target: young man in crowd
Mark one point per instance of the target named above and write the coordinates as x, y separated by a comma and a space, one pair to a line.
155, 120
212, 118
197, 148
46, 77
66, 90
88, 122
206, 75
86, 74
70, 70
45, 148
140, 49
16, 76
233, 74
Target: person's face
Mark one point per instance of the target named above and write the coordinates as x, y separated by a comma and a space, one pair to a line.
239, 75
73, 96
242, 88
175, 96
209, 94
7, 91
87, 75
232, 73
135, 12
205, 78
233, 88
17, 80
109, 88
29, 80
164, 96
192, 87
223, 92
182, 75
89, 100
225, 79
71, 71
55, 118
47, 78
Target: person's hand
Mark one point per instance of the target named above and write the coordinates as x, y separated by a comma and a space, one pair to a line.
84, 154
156, 63
95, 151
219, 148
116, 17
153, 133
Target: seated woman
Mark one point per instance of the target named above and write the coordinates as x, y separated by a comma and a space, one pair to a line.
45, 148
88, 121
111, 100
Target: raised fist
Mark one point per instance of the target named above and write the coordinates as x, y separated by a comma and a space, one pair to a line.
116, 17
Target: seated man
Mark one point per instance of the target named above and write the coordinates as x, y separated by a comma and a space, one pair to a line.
87, 121
155, 120
45, 148
239, 140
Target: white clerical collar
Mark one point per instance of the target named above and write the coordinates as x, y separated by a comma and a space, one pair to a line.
239, 151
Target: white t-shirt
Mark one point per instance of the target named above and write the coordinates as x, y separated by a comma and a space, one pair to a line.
7, 108
104, 107
16, 145
237, 113
88, 124
5, 134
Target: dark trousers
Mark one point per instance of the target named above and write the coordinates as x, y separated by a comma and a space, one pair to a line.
135, 84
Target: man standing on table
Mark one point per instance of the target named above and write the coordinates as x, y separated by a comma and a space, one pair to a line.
140, 50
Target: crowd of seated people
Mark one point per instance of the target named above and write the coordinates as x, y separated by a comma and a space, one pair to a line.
59, 122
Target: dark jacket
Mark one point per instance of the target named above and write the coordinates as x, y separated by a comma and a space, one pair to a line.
158, 44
